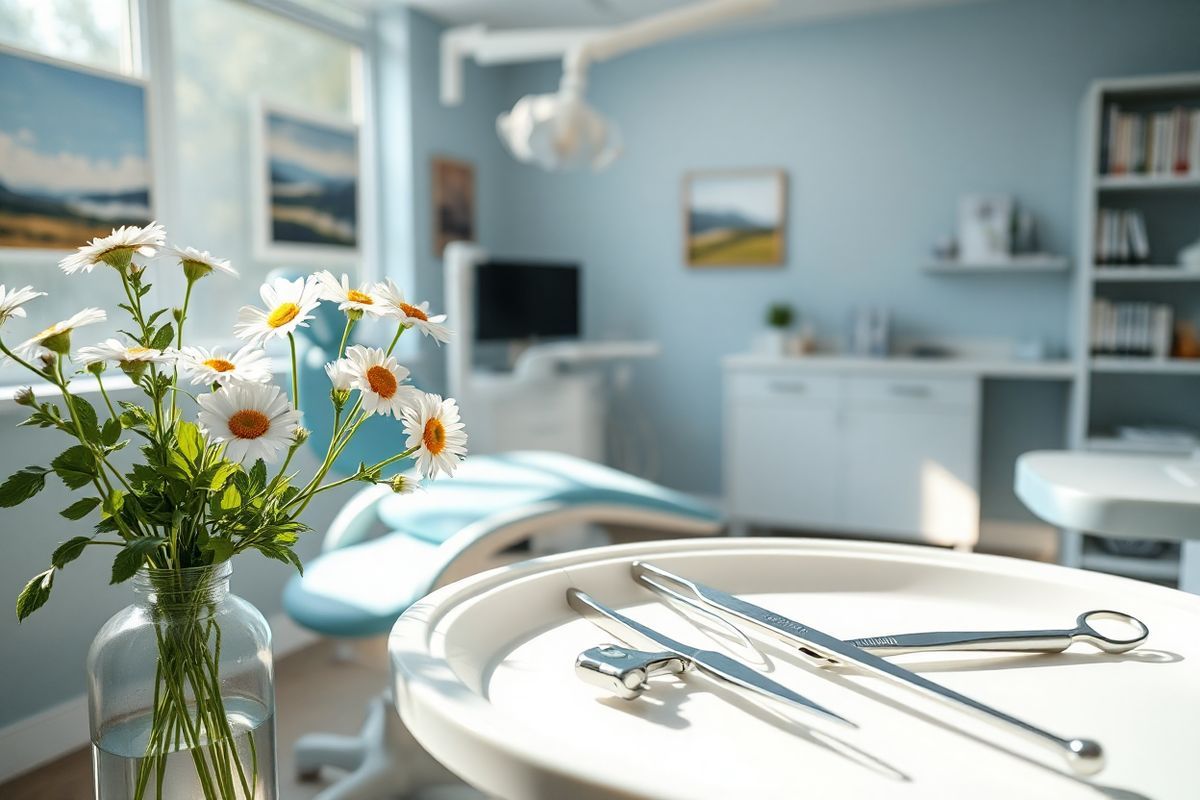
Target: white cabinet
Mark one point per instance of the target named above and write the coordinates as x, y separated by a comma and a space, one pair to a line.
863, 455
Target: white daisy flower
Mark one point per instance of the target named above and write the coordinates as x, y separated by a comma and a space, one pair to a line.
341, 374
254, 420
119, 353
58, 336
207, 366
116, 249
348, 298
198, 263
378, 376
411, 316
433, 426
288, 304
11, 301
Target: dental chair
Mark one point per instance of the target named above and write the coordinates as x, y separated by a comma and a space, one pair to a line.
363, 580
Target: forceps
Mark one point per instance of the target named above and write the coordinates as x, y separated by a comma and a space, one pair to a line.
1083, 756
1045, 641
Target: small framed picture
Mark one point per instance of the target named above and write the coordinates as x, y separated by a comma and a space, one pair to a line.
734, 218
307, 188
453, 203
74, 154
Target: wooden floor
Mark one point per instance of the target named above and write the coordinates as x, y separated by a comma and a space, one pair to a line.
314, 691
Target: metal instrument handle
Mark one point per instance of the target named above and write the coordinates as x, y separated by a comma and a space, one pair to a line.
1035, 641
623, 670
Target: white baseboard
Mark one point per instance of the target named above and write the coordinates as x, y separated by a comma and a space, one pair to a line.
31, 742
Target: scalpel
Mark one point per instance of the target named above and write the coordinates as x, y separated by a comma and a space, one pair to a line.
624, 671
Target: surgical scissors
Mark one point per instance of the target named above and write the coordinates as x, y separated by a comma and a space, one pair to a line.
1036, 641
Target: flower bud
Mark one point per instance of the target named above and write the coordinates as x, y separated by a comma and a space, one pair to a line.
404, 484
96, 367
177, 315
339, 397
300, 436
24, 396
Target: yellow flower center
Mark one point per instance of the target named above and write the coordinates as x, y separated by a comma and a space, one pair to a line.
135, 352
220, 365
414, 312
434, 437
356, 296
382, 381
282, 315
249, 424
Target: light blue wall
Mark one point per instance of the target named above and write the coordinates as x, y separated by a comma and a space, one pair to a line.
881, 123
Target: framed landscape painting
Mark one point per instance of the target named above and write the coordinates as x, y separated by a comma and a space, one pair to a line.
453, 203
734, 218
309, 192
74, 154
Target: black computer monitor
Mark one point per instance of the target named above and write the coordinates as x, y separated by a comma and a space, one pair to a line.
517, 300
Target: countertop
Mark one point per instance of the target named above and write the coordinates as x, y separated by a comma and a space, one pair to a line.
907, 365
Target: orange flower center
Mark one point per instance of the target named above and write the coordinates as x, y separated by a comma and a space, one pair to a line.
283, 314
382, 381
356, 296
220, 365
434, 437
249, 424
414, 312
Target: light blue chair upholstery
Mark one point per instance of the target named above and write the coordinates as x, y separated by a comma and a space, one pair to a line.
360, 585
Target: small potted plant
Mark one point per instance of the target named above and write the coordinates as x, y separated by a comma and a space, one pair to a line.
773, 341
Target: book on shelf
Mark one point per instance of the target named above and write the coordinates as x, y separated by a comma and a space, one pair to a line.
1131, 329
1121, 237
1151, 143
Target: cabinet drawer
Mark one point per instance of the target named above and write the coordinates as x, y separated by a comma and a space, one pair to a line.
899, 391
784, 386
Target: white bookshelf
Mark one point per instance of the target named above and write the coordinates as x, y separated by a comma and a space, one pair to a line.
1094, 280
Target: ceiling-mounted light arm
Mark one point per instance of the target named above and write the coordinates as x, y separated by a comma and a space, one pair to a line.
578, 47
603, 45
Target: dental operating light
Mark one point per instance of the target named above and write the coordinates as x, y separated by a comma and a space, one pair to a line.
560, 130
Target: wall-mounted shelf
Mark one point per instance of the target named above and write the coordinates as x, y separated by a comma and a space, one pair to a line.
1141, 183
1015, 265
1140, 364
1151, 273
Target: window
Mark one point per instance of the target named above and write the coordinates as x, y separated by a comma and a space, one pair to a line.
224, 56
228, 54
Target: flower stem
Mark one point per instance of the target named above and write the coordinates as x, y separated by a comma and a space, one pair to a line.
295, 374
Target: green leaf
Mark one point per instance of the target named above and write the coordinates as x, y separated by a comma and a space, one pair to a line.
76, 466
190, 440
80, 508
113, 503
132, 556
85, 414
69, 550
222, 474
162, 339
111, 432
221, 547
35, 594
231, 498
22, 485
258, 476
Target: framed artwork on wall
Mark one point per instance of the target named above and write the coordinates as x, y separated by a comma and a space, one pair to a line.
453, 203
74, 154
308, 186
734, 218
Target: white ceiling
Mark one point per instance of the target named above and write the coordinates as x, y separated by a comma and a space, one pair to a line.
547, 13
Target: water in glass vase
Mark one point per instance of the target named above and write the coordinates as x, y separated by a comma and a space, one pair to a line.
117, 760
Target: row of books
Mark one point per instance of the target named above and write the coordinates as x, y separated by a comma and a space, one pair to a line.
1121, 237
1163, 143
1131, 329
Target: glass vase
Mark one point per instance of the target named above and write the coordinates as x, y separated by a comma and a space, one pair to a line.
181, 693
